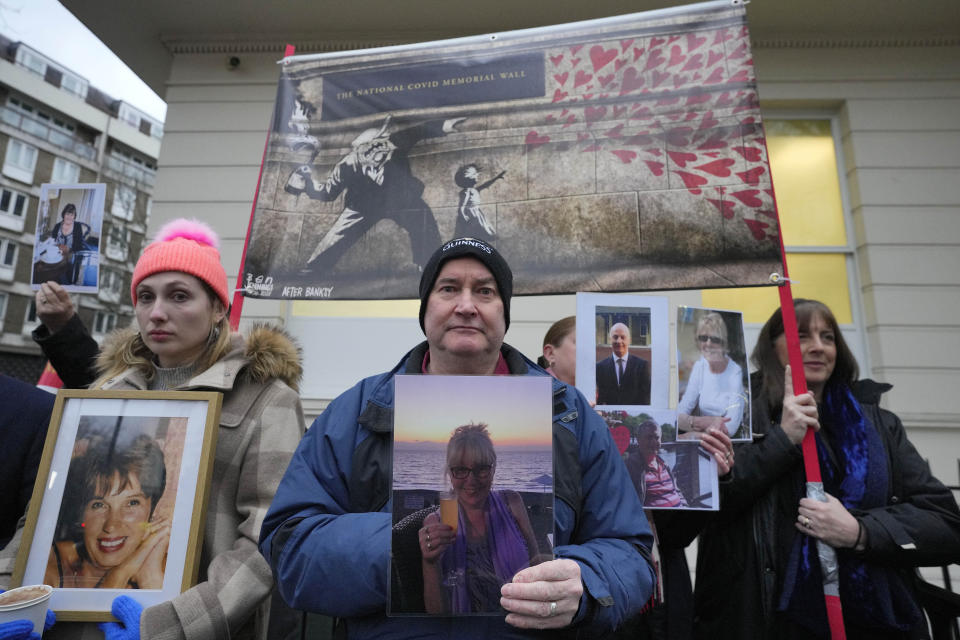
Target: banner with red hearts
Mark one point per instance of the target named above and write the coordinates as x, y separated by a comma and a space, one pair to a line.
620, 154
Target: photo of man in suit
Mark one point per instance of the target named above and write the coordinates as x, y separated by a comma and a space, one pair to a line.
622, 378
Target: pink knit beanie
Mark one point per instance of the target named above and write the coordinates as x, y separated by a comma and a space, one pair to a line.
189, 246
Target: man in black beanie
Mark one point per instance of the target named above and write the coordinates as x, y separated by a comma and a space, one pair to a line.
465, 308
330, 521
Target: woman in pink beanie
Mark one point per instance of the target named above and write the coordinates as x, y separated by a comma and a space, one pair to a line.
182, 340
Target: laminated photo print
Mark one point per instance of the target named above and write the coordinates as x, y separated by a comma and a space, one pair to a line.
671, 475
714, 388
472, 490
623, 349
67, 238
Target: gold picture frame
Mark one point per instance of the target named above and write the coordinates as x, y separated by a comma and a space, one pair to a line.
120, 499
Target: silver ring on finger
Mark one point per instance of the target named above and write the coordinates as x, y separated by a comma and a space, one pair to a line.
429, 547
428, 534
553, 609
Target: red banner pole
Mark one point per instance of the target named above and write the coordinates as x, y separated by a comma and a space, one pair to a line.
811, 463
236, 309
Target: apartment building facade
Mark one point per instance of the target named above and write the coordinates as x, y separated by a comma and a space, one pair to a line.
57, 128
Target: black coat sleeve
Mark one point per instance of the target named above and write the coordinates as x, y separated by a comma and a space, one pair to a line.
72, 351
921, 525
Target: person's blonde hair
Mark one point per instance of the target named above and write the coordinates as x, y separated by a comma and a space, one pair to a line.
713, 320
473, 440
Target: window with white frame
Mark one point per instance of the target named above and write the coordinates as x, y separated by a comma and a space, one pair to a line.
118, 241
65, 172
30, 319
74, 84
104, 322
124, 202
19, 105
24, 106
31, 60
111, 284
8, 258
13, 209
20, 161
129, 115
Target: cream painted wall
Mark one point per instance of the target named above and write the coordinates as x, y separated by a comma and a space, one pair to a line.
900, 134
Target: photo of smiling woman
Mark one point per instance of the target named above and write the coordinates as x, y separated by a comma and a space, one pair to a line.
110, 533
486, 539
712, 368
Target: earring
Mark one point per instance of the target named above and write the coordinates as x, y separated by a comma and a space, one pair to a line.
214, 334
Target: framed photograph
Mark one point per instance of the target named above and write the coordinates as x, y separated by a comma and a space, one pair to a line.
68, 236
714, 387
623, 343
120, 499
666, 473
472, 490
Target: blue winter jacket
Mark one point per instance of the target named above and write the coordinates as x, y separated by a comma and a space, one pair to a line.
327, 534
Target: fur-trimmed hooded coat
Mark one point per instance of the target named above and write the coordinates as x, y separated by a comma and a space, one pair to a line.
261, 423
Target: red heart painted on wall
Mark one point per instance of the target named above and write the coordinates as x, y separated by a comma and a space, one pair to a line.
601, 57
592, 114
691, 181
676, 56
694, 42
719, 168
748, 197
656, 168
752, 176
534, 139
681, 158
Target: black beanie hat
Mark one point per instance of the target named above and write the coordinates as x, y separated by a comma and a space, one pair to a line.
468, 248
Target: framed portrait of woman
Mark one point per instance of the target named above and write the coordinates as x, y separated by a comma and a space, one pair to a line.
120, 499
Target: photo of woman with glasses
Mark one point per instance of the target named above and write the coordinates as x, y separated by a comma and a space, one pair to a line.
465, 565
715, 395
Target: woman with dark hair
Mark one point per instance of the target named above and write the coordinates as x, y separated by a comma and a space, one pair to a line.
70, 235
758, 573
560, 350
464, 567
113, 541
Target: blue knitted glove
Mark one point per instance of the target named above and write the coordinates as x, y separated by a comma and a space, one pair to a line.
18, 630
50, 620
128, 611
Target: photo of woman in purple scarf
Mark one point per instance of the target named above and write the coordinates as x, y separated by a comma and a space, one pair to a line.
465, 566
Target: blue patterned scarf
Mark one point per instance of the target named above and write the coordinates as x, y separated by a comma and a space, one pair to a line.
872, 596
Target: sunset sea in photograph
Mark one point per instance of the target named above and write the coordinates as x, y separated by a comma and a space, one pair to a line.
517, 470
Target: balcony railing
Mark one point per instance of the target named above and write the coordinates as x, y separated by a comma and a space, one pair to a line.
45, 132
139, 174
